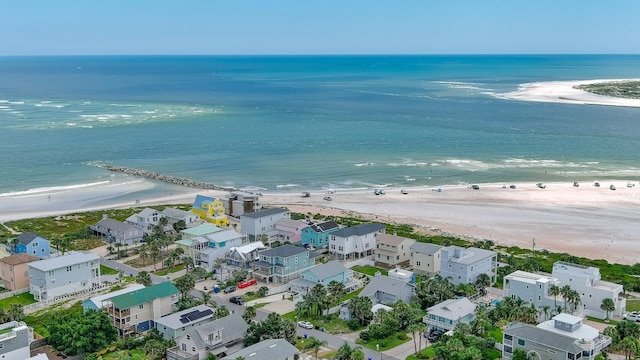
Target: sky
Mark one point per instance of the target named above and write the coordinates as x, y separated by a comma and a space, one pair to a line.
261, 27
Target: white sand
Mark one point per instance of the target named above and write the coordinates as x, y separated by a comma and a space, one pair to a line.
583, 221
563, 92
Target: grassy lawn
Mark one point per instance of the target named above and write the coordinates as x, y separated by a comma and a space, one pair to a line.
496, 334
125, 354
385, 344
21, 299
608, 322
351, 295
170, 270
369, 270
105, 270
633, 305
428, 352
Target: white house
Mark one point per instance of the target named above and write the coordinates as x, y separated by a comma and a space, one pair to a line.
461, 265
587, 282
355, 241
242, 256
146, 219
15, 338
425, 258
449, 313
67, 274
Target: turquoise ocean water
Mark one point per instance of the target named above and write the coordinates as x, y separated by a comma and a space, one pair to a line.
295, 123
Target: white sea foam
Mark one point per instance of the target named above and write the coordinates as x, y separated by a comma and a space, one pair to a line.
44, 190
364, 164
287, 186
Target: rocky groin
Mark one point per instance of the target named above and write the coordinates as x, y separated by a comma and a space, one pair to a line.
165, 178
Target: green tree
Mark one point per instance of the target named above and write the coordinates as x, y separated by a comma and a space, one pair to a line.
629, 345
346, 352
273, 327
221, 311
566, 293
75, 332
360, 308
483, 281
608, 306
555, 291
185, 284
519, 354
249, 314
263, 291
314, 344
15, 313
143, 278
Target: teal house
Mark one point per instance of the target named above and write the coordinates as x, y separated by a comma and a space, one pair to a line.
283, 263
317, 235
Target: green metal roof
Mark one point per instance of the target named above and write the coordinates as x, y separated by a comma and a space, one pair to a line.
200, 230
185, 242
145, 295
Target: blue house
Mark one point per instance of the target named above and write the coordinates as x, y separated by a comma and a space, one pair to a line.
283, 263
316, 235
324, 274
32, 244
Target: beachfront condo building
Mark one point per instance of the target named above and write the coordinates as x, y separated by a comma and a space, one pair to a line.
32, 244
263, 222
210, 209
15, 271
15, 338
283, 263
586, 280
72, 273
561, 338
392, 251
138, 311
240, 203
317, 234
462, 266
425, 258
355, 241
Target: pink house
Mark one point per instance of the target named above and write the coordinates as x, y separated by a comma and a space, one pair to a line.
288, 230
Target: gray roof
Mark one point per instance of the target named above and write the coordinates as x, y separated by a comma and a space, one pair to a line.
173, 321
71, 258
290, 222
263, 213
385, 284
327, 270
469, 255
222, 236
174, 213
541, 336
425, 248
270, 349
453, 309
393, 240
26, 237
119, 226
358, 230
233, 328
146, 212
284, 251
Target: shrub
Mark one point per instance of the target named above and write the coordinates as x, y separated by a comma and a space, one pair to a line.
402, 336
353, 324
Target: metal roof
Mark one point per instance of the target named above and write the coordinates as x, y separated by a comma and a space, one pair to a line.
329, 269
145, 295
263, 213
284, 251
201, 230
358, 230
384, 284
425, 248
181, 318
453, 309
71, 258
270, 349
544, 337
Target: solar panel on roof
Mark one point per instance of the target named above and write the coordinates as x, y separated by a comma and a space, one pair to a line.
194, 315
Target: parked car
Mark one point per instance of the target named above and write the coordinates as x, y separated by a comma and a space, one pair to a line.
230, 289
541, 185
237, 300
435, 335
632, 316
305, 324
475, 187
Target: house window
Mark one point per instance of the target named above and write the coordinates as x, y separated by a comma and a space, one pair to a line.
507, 349
136, 317
521, 342
141, 306
193, 348
184, 347
418, 263
42, 250
188, 337
68, 268
508, 337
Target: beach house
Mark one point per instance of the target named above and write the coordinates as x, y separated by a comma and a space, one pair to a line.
219, 337
206, 249
561, 338
270, 349
449, 313
114, 231
174, 325
387, 290
15, 340
32, 244
210, 209
317, 234
240, 203
283, 263
72, 273
262, 222
242, 256
425, 258
355, 241
287, 230
392, 251
187, 218
532, 288
97, 302
324, 274
138, 311
146, 220
14, 271
586, 280
460, 265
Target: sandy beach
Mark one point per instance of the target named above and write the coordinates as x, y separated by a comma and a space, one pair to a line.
563, 92
589, 221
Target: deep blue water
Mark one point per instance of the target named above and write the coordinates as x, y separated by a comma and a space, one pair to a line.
296, 122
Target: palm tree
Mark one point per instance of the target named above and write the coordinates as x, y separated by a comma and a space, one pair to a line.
143, 278
314, 344
608, 306
206, 297
555, 291
629, 345
546, 309
346, 352
483, 281
565, 291
249, 314
15, 313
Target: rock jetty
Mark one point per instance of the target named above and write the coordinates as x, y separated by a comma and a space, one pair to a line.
164, 178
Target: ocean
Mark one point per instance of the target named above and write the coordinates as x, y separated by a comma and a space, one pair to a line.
301, 123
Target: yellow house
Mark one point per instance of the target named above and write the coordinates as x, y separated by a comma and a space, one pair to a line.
210, 209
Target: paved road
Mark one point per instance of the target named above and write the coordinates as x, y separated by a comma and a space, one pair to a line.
130, 271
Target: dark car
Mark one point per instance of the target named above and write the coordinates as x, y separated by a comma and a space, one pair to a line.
230, 289
237, 300
434, 335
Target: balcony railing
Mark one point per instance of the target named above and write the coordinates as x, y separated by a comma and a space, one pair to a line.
118, 313
176, 353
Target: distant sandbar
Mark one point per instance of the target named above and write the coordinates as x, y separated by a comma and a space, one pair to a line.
565, 92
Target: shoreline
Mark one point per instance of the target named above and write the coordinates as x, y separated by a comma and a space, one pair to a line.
588, 221
563, 92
